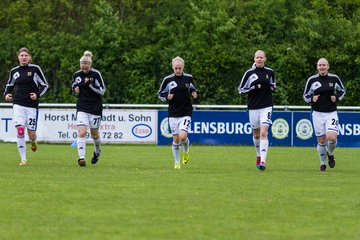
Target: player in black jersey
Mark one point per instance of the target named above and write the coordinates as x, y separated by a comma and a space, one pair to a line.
178, 88
322, 91
30, 84
258, 83
89, 85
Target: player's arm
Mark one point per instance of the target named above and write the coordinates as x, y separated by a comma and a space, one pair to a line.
339, 90
98, 85
9, 87
163, 90
42, 83
192, 89
308, 92
245, 85
75, 86
272, 82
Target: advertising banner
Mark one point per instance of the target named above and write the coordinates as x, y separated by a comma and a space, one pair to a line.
211, 127
59, 125
207, 127
233, 127
227, 127
349, 129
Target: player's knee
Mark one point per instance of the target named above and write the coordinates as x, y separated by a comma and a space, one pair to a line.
20, 132
81, 134
256, 133
263, 135
183, 136
331, 138
32, 137
321, 140
95, 136
176, 139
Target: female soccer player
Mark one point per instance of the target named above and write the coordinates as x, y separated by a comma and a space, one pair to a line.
259, 82
322, 91
30, 84
88, 84
177, 89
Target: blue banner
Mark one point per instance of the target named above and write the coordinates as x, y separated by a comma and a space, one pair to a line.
233, 127
303, 129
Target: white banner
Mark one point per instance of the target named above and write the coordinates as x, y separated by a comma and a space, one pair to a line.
59, 125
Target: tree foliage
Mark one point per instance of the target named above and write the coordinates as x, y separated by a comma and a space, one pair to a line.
133, 42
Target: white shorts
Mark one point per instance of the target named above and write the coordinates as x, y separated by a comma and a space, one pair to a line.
89, 120
25, 116
325, 122
180, 123
259, 117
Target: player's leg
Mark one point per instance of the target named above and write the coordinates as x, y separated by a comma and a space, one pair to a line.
319, 128
95, 122
31, 125
265, 121
174, 127
32, 136
331, 125
254, 119
256, 141
20, 120
183, 137
21, 144
176, 151
97, 145
331, 142
82, 125
321, 149
264, 145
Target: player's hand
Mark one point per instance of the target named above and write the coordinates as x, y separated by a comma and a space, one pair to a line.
8, 97
258, 86
170, 96
333, 98
77, 90
315, 98
194, 94
33, 96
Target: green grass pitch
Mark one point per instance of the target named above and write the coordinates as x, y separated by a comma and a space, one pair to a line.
134, 193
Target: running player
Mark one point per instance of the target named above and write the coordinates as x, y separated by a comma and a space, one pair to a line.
30, 84
177, 89
88, 84
322, 91
258, 83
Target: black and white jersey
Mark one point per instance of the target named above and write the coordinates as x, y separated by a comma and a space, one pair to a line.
258, 97
92, 88
324, 86
27, 79
182, 87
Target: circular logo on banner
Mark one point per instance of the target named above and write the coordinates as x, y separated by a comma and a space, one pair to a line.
141, 130
304, 129
165, 128
280, 128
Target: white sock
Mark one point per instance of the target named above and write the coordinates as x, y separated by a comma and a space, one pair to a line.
176, 152
264, 145
97, 145
330, 146
257, 146
321, 148
21, 147
186, 144
81, 145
